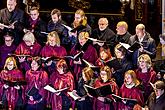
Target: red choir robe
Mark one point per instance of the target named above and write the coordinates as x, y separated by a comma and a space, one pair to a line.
145, 79
23, 49
50, 51
37, 79
99, 105
11, 93
132, 93
90, 55
60, 81
4, 51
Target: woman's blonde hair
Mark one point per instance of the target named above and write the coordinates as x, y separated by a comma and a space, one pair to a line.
133, 75
9, 59
54, 35
83, 35
147, 60
29, 36
88, 73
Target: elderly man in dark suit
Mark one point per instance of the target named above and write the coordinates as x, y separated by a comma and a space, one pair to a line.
11, 19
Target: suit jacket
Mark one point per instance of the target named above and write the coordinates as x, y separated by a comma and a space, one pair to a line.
8, 18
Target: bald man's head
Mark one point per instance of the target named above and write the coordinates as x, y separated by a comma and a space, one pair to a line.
11, 4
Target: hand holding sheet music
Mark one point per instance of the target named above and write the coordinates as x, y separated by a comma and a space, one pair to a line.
11, 26
75, 56
74, 95
53, 90
126, 101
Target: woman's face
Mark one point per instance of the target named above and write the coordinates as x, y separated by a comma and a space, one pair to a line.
28, 42
128, 79
118, 53
10, 65
34, 65
142, 64
52, 41
103, 55
60, 70
82, 41
104, 76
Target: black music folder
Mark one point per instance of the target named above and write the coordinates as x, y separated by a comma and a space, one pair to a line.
126, 101
100, 91
133, 47
114, 63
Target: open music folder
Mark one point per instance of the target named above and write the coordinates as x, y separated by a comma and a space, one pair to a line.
99, 91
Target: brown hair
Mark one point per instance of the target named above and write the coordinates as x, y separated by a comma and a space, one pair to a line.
106, 49
107, 70
56, 11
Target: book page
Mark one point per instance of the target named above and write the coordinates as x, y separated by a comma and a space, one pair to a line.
49, 88
74, 95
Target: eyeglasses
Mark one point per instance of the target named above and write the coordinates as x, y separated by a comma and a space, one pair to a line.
8, 40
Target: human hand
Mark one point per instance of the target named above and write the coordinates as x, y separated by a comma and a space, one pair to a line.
101, 98
17, 87
21, 59
6, 86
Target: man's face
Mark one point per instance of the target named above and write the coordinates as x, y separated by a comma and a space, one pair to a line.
34, 14
139, 32
77, 18
11, 4
55, 18
102, 24
8, 41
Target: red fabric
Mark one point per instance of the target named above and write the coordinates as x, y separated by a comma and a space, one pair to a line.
23, 49
11, 92
89, 55
146, 78
60, 81
132, 93
99, 105
49, 51
40, 78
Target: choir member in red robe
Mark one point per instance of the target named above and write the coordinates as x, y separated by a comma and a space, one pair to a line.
130, 90
36, 80
105, 56
102, 103
146, 74
11, 95
60, 79
88, 53
7, 48
52, 49
29, 46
